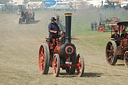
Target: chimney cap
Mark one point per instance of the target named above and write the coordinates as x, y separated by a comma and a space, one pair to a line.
68, 14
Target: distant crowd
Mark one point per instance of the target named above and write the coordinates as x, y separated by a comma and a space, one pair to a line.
9, 8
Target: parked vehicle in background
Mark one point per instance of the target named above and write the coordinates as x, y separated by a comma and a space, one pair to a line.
34, 5
27, 17
109, 24
93, 3
124, 5
1, 5
112, 5
63, 6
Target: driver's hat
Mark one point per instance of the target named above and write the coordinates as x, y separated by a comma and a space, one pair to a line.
53, 18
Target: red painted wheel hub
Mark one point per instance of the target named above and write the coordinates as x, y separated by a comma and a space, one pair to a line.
101, 28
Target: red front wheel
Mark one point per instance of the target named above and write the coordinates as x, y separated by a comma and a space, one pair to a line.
56, 65
80, 65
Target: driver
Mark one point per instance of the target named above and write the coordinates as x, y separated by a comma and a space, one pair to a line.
53, 29
116, 37
124, 34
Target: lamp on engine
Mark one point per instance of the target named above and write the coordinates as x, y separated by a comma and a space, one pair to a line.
62, 54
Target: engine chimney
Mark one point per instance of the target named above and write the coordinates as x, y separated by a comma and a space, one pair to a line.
68, 27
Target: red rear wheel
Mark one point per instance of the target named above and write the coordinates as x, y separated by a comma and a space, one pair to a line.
80, 65
43, 59
56, 65
113, 19
101, 28
126, 58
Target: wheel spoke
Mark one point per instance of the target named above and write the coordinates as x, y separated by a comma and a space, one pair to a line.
78, 70
111, 51
79, 65
55, 65
126, 58
108, 50
110, 45
109, 57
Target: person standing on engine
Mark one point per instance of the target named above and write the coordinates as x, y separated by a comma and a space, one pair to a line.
61, 27
124, 34
53, 29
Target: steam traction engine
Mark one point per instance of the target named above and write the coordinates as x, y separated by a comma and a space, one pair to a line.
118, 49
61, 54
107, 24
27, 17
